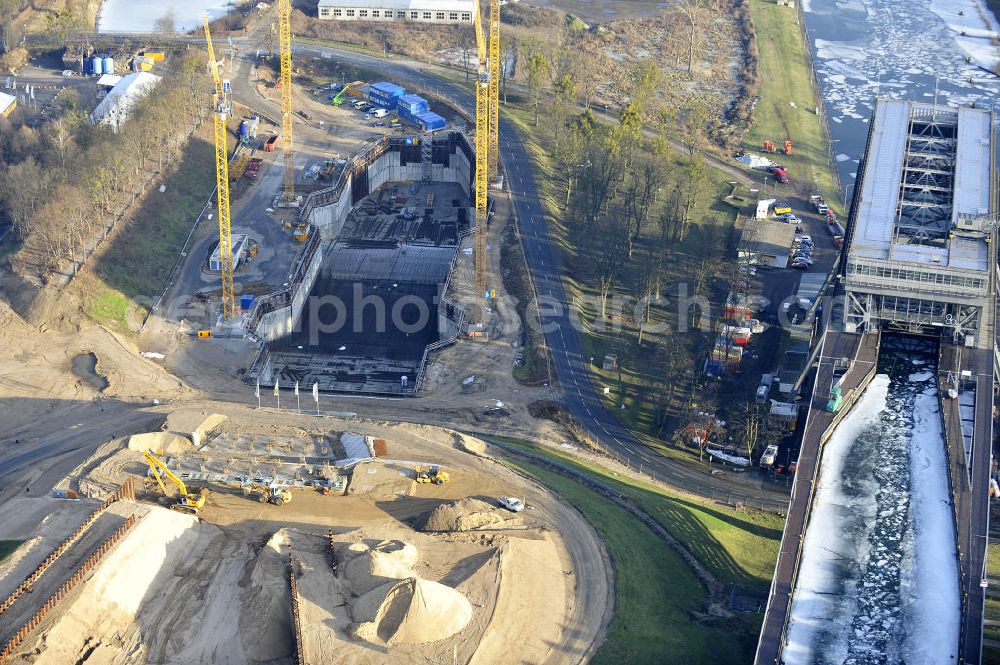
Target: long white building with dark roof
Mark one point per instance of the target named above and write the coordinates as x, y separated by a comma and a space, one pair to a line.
424, 11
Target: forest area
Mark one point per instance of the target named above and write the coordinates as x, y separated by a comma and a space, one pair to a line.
644, 223
61, 212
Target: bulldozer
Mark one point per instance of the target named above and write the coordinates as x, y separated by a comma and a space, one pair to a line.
188, 502
432, 474
274, 494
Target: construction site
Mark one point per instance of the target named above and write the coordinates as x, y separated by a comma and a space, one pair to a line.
366, 301
242, 538
214, 532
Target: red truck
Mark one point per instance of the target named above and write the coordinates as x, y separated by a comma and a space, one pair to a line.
271, 143
779, 174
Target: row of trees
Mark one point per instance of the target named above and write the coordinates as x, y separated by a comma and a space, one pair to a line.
66, 182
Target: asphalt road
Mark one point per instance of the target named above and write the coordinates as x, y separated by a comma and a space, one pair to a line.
569, 364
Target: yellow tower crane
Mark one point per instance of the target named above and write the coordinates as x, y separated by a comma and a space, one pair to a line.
221, 108
495, 76
482, 172
285, 48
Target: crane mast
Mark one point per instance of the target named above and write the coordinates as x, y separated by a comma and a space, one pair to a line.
285, 48
221, 108
495, 76
482, 173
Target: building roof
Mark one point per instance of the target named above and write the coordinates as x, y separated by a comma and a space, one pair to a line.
914, 176
6, 101
429, 117
425, 5
765, 236
236, 243
389, 88
114, 109
411, 99
108, 80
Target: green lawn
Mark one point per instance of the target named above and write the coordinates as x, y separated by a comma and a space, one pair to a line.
131, 271
786, 79
657, 593
993, 560
7, 547
138, 261
738, 547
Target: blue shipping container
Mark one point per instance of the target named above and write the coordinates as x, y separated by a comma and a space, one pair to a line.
244, 129
413, 104
431, 121
246, 302
385, 94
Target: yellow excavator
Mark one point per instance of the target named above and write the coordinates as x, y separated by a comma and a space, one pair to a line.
186, 501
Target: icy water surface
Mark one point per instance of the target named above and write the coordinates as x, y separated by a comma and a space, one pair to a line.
906, 49
879, 576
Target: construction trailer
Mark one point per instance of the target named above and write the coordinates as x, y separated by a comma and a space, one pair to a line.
385, 94
241, 243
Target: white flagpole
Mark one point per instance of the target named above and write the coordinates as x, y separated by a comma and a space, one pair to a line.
316, 396
298, 401
277, 394
258, 393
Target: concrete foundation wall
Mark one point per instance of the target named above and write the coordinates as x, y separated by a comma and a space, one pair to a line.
329, 218
275, 324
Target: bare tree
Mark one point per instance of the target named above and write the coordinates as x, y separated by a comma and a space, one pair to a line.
693, 12
166, 25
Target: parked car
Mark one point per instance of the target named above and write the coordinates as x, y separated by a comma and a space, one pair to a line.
511, 503
799, 265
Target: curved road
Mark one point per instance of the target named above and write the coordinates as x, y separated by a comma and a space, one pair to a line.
545, 269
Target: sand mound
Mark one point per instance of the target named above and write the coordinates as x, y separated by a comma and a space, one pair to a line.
463, 515
375, 479
265, 631
372, 567
411, 611
470, 444
169, 443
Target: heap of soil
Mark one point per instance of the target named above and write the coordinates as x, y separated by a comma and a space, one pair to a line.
462, 515
167, 442
372, 567
411, 611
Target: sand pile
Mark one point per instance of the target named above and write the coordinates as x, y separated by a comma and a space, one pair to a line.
266, 631
376, 479
394, 605
169, 443
463, 515
411, 611
372, 567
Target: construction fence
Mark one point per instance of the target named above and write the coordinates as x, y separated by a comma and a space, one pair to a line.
66, 587
126, 491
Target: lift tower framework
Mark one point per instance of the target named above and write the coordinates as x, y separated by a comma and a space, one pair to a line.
221, 108
482, 172
495, 78
285, 49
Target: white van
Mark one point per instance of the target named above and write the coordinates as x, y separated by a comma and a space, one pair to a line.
380, 113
